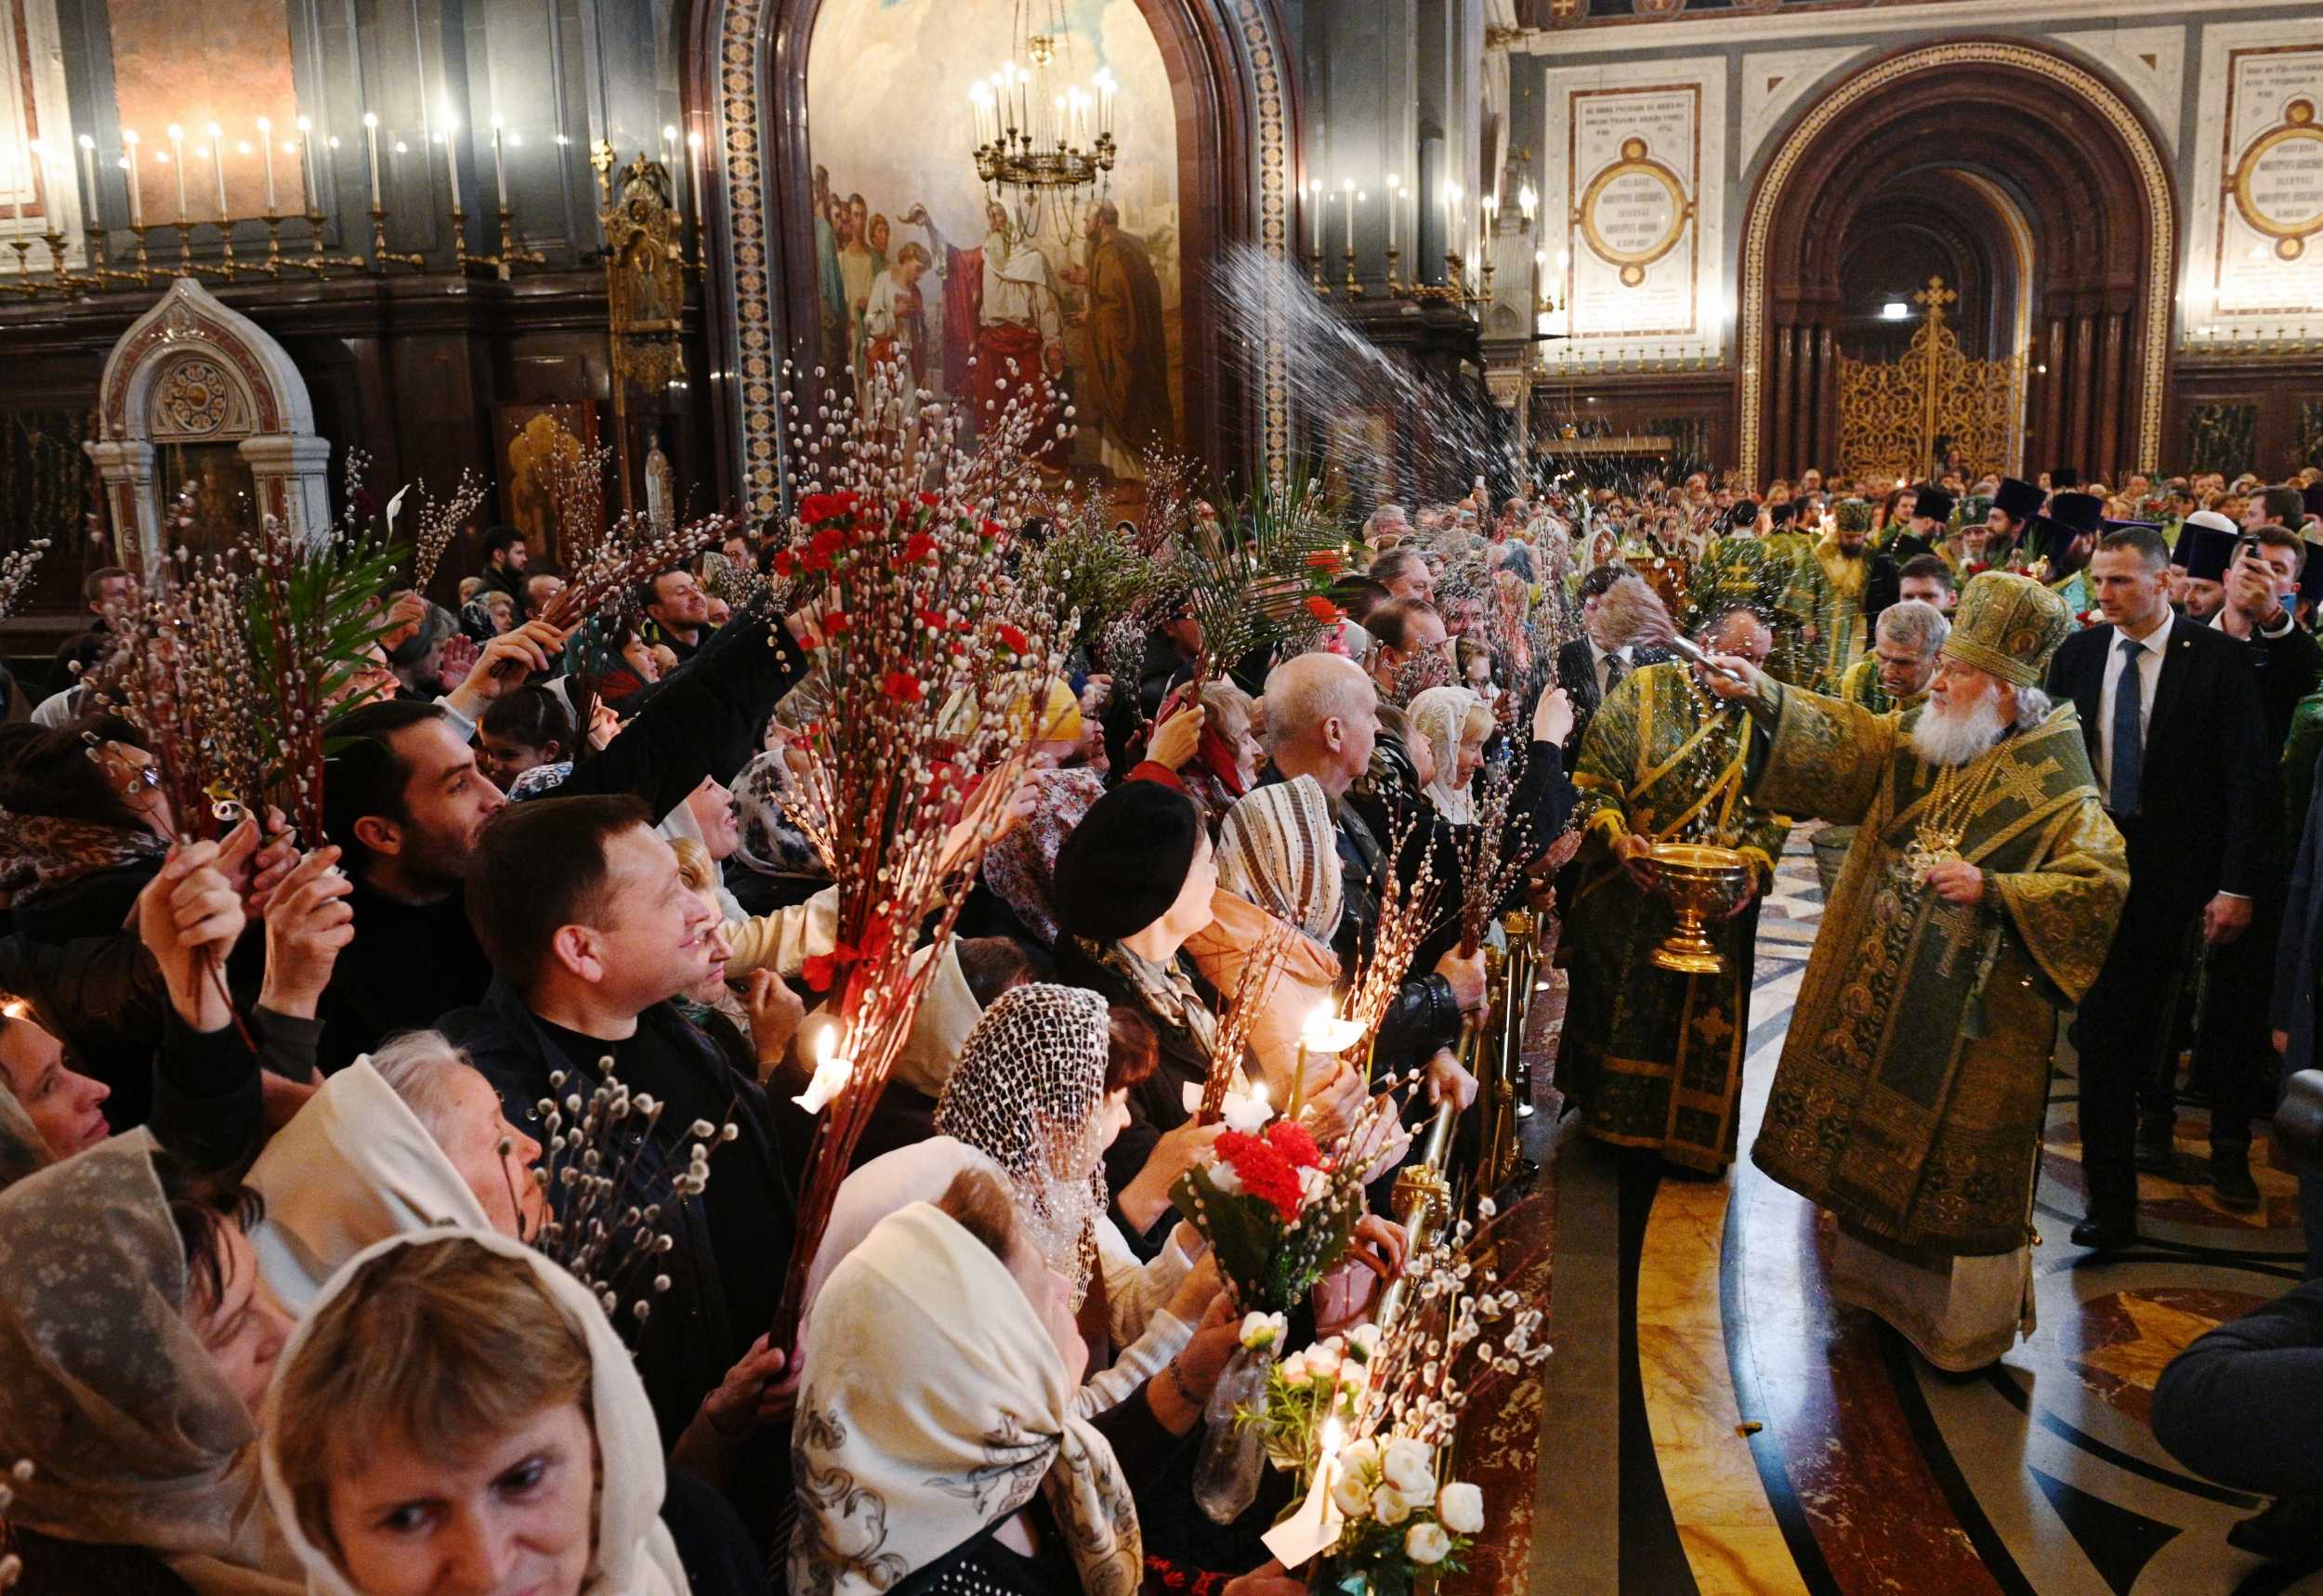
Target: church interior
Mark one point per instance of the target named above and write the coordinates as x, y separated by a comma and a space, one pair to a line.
1678, 280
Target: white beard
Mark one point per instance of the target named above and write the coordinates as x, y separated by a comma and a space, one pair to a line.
1960, 735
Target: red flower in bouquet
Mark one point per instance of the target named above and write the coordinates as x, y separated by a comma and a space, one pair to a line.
903, 687
1296, 1142
822, 970
835, 622
1012, 638
931, 619
1265, 1172
1323, 610
917, 548
1326, 559
818, 508
995, 531
823, 545
785, 563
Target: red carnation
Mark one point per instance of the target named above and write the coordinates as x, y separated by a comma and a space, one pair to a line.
919, 546
1265, 1173
995, 531
1013, 640
931, 619
1323, 610
828, 541
817, 508
1295, 1143
903, 687
930, 499
785, 562
836, 624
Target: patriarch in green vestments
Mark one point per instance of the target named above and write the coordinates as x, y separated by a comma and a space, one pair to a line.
1977, 901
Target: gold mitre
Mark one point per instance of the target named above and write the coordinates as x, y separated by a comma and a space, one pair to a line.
2007, 626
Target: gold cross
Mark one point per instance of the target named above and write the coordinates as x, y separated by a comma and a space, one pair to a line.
2027, 784
1960, 926
1936, 295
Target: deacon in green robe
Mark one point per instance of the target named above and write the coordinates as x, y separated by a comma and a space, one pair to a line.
1653, 1057
1742, 567
1839, 587
1978, 900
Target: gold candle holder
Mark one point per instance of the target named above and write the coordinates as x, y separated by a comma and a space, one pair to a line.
23, 284
1355, 290
381, 256
1393, 284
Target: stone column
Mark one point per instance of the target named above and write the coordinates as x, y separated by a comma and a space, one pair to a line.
291, 473
126, 469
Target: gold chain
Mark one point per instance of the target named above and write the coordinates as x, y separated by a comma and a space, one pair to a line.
1944, 822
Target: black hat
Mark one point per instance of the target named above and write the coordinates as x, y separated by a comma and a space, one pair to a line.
1932, 502
1782, 515
2204, 550
2075, 512
2064, 477
1122, 866
2018, 499
2311, 498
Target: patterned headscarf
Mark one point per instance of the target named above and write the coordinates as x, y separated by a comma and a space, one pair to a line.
1440, 714
137, 1437
1022, 867
966, 1412
1277, 849
1026, 1093
40, 852
23, 1148
772, 845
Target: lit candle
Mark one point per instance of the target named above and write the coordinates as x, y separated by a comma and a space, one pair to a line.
266, 142
129, 164
178, 159
218, 165
371, 145
307, 164
1315, 209
1394, 195
452, 155
1346, 198
676, 174
669, 147
500, 165
88, 175
830, 1073
694, 173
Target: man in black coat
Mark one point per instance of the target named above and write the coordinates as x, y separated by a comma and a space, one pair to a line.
2231, 1052
2170, 710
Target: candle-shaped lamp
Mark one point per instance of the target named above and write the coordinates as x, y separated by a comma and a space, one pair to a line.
178, 159
1394, 192
1346, 198
677, 172
129, 164
694, 177
266, 142
371, 145
218, 165
500, 165
452, 155
307, 164
1315, 209
88, 175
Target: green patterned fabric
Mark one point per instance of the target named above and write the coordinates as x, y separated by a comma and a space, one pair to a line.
1827, 595
1653, 1057
1914, 1079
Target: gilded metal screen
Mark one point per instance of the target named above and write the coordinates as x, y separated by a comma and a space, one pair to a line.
1891, 413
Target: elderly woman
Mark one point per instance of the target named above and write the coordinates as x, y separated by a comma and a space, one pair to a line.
1277, 863
135, 1343
456, 1414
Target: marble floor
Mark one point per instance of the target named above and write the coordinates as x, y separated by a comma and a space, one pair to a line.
1713, 1422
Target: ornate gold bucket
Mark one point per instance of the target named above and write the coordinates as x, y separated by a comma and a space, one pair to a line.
1703, 884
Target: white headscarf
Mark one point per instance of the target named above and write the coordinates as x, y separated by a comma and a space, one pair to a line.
136, 1437
892, 1182
1277, 848
1440, 714
635, 1555
352, 1166
940, 1028
964, 1413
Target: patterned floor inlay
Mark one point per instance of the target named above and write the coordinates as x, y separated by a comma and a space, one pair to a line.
1868, 1470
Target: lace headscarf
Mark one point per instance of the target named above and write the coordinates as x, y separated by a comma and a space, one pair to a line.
1026, 1093
962, 1416
137, 1438
1022, 867
1440, 714
633, 1552
1279, 850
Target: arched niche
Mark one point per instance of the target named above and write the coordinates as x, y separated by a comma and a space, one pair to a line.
2080, 168
195, 394
1234, 102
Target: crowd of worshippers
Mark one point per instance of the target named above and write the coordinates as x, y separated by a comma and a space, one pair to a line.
272, 1110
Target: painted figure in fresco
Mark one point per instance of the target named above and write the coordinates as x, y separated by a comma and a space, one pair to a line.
896, 321
859, 266
830, 286
1125, 387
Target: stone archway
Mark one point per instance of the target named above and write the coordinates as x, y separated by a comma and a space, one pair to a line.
746, 82
2092, 186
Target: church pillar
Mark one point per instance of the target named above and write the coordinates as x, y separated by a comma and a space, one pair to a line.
291, 473
1824, 449
2112, 449
125, 466
2080, 408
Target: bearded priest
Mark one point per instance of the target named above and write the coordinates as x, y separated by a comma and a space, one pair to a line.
1977, 901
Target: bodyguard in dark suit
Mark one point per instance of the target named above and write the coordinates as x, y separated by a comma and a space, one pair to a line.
1587, 667
2170, 710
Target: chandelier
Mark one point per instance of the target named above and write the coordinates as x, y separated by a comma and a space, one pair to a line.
1037, 128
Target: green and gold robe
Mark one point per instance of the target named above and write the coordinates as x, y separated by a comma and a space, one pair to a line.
1760, 573
1914, 1080
1827, 596
1862, 686
1654, 1058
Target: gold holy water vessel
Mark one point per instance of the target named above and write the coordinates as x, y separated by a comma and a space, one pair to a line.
1702, 883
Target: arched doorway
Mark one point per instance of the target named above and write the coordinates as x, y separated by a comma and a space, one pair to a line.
2019, 171
747, 93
